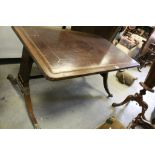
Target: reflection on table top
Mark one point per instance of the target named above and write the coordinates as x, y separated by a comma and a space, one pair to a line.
65, 53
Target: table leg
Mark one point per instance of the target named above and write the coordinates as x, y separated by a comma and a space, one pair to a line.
23, 83
105, 83
126, 101
140, 119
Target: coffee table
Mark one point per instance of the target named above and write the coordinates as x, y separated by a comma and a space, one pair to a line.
63, 54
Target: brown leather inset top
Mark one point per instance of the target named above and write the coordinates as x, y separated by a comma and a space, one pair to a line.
65, 53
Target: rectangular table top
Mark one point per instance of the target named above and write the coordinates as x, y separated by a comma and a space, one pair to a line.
64, 53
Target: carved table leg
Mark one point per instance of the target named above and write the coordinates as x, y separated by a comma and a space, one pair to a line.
148, 85
23, 83
105, 83
140, 119
145, 124
126, 101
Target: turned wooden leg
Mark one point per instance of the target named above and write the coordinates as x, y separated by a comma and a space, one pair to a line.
23, 83
140, 121
105, 83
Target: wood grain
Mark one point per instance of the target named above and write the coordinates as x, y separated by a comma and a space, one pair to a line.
65, 54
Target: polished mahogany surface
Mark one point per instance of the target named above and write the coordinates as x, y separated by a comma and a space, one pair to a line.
65, 53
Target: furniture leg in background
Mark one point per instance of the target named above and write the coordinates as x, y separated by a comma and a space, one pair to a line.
148, 85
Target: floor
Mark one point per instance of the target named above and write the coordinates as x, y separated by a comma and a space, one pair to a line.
74, 103
79, 103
